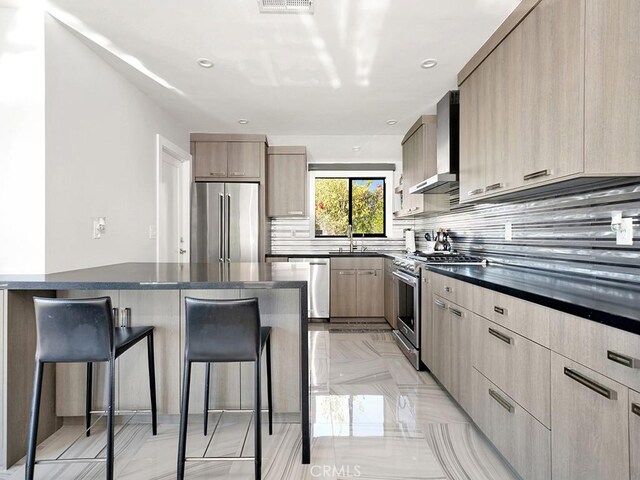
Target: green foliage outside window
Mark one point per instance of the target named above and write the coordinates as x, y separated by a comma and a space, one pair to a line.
343, 201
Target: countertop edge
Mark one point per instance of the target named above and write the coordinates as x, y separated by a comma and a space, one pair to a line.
246, 285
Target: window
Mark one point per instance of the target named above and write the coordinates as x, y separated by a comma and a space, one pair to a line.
341, 202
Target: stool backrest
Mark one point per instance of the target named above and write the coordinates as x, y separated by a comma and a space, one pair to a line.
74, 330
222, 330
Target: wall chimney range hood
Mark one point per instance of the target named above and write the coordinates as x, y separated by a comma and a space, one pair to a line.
448, 140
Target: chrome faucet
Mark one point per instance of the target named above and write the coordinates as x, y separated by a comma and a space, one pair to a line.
350, 235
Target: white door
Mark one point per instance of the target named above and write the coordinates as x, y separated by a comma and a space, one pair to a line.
174, 175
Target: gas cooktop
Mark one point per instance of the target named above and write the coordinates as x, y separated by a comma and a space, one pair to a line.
446, 258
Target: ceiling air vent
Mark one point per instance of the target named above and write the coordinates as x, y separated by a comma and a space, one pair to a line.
285, 6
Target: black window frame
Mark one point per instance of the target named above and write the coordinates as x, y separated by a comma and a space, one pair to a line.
350, 214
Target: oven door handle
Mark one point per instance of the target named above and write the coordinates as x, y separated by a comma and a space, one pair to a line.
413, 281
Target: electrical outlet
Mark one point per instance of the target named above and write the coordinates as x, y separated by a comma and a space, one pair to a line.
99, 227
508, 231
624, 236
153, 233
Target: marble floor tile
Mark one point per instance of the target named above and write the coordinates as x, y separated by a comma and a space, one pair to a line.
372, 416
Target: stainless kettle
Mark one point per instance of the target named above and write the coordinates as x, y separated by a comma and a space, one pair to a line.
442, 241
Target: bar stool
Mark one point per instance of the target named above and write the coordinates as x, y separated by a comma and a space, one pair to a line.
82, 331
224, 331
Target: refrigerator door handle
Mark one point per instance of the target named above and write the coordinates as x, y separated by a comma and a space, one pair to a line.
220, 226
227, 231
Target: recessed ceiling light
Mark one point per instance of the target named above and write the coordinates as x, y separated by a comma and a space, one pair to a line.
392, 122
205, 62
429, 63
243, 121
356, 148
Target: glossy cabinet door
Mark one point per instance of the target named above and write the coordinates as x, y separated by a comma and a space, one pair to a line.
634, 433
589, 423
210, 160
612, 70
287, 186
370, 293
244, 159
343, 293
441, 342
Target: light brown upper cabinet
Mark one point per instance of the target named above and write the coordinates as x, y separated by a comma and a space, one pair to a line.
555, 100
229, 157
287, 182
419, 162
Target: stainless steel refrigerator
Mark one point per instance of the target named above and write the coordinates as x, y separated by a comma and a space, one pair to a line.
225, 222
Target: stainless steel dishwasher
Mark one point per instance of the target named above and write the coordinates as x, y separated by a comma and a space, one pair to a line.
319, 277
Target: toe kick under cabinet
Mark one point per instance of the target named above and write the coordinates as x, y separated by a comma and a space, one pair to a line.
556, 394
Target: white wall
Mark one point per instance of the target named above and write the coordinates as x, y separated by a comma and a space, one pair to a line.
22, 149
100, 157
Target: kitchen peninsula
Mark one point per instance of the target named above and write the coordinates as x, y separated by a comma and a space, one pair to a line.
154, 293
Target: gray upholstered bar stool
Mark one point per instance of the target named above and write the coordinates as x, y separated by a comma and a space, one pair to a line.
224, 331
82, 331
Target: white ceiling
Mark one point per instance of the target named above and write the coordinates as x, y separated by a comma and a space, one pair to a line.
347, 69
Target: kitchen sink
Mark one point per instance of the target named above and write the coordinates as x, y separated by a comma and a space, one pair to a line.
366, 253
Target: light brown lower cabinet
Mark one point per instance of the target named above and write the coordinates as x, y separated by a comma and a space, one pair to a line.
343, 293
460, 321
519, 437
441, 367
389, 294
634, 433
590, 423
369, 293
426, 315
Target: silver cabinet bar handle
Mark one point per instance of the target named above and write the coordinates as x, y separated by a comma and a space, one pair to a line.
501, 401
501, 336
218, 174
635, 408
590, 384
367, 272
623, 359
495, 186
345, 273
477, 191
500, 310
541, 173
295, 212
439, 304
237, 174
457, 313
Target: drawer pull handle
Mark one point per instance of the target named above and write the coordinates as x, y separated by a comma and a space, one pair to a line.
367, 272
623, 359
345, 273
499, 310
501, 336
237, 174
457, 313
540, 173
495, 186
501, 401
440, 304
635, 408
590, 384
295, 212
448, 289
477, 191
217, 174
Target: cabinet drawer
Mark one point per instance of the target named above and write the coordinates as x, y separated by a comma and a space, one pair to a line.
453, 290
521, 439
517, 365
528, 319
358, 263
590, 423
607, 350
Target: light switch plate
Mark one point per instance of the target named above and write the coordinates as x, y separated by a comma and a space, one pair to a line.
99, 227
624, 236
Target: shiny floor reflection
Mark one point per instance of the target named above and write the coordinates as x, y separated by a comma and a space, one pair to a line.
373, 417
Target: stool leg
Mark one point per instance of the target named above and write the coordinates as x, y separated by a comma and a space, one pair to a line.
207, 376
152, 384
258, 423
110, 425
88, 399
33, 425
184, 415
269, 393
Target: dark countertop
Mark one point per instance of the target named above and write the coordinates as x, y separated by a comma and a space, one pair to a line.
166, 276
612, 303
372, 253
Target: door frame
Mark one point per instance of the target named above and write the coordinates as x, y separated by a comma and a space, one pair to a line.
165, 146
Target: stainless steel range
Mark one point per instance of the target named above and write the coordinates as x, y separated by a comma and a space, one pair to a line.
408, 294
